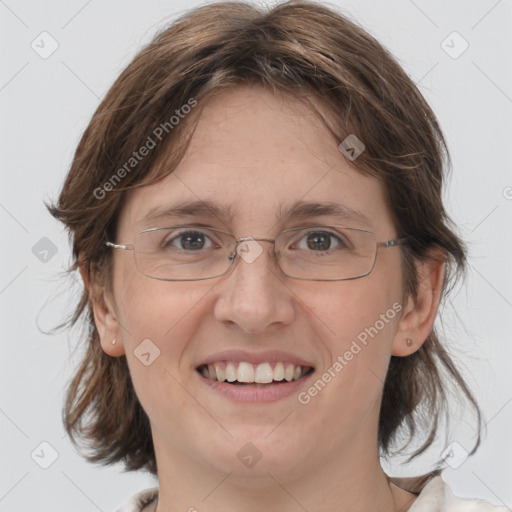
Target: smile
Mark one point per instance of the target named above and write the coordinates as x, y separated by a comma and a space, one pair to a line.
253, 375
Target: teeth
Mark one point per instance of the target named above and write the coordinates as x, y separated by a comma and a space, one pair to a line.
248, 373
264, 373
245, 373
289, 372
220, 375
230, 372
279, 372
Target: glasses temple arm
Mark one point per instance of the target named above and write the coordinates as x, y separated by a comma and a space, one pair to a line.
127, 247
393, 243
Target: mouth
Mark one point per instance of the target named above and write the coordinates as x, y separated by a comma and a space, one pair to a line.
248, 375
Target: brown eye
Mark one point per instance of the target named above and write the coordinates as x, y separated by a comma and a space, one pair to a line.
187, 241
320, 241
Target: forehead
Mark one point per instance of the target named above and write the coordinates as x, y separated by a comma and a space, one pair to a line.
257, 159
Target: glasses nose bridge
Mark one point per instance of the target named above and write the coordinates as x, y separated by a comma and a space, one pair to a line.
249, 238
254, 239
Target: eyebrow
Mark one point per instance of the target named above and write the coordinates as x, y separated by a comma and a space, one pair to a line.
305, 210
300, 210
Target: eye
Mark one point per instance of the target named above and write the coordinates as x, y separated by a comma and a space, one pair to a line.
321, 241
190, 240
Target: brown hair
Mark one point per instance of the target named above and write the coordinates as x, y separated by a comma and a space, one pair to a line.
300, 48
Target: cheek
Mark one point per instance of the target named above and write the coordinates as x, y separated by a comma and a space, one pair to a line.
349, 309
356, 322
159, 318
149, 308
158, 321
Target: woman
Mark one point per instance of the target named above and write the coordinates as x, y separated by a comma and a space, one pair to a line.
256, 212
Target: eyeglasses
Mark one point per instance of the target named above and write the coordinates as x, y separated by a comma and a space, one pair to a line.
319, 253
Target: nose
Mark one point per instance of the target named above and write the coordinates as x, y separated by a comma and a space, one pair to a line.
253, 295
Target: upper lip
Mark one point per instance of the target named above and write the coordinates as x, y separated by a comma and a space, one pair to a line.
268, 356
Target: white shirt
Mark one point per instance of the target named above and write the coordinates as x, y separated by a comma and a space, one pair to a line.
434, 495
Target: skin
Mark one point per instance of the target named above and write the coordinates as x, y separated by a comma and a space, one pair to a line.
257, 152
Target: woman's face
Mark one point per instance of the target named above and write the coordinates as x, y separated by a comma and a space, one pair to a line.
256, 155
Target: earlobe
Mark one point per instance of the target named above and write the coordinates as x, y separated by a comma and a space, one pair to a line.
105, 318
420, 311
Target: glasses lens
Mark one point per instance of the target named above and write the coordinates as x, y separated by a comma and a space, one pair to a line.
183, 253
326, 253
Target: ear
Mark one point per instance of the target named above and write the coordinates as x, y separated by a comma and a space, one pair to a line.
420, 312
105, 317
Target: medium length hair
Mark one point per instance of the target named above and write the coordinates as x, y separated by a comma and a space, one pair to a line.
298, 48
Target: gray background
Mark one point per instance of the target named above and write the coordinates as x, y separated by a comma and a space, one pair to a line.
45, 105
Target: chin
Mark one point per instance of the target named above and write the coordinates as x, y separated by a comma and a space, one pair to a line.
250, 458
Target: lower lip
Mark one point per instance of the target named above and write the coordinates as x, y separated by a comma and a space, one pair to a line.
246, 394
